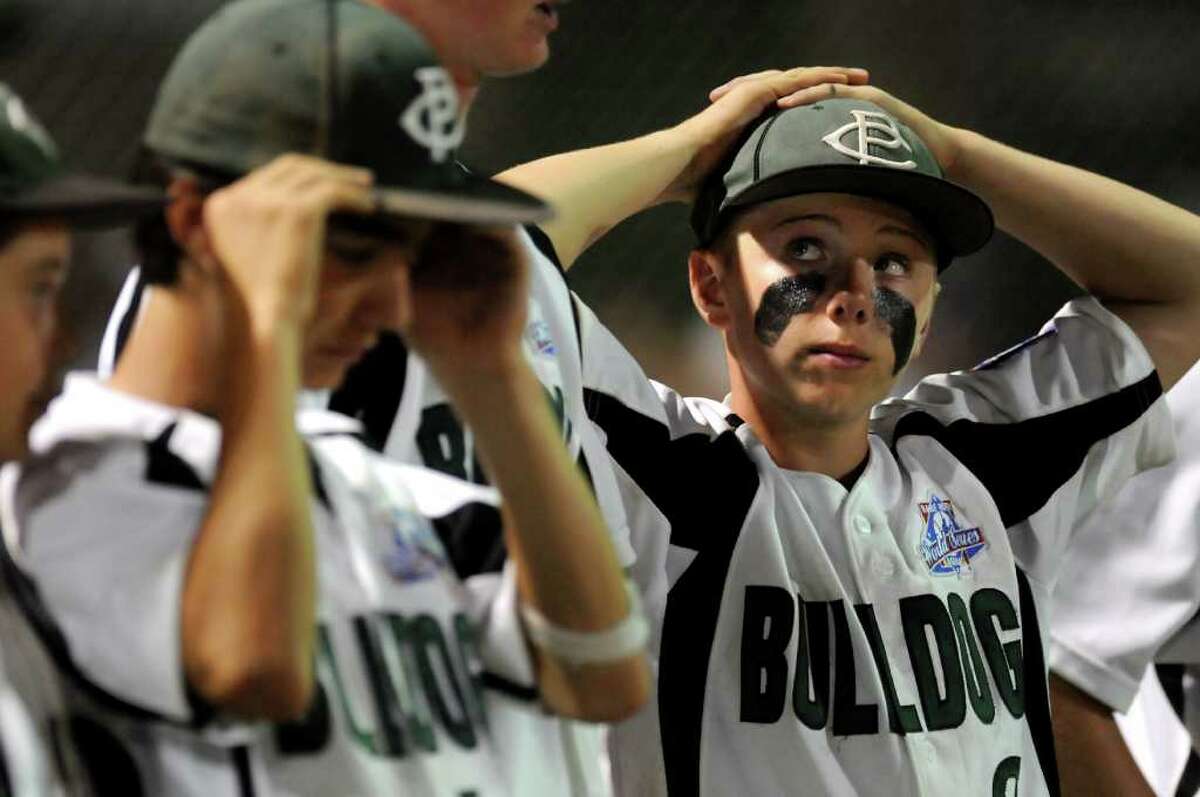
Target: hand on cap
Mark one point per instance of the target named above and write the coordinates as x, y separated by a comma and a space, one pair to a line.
940, 138
267, 231
738, 103
468, 292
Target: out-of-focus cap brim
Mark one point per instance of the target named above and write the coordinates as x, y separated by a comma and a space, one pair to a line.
83, 201
476, 200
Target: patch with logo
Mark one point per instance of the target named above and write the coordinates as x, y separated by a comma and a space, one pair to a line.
538, 335
413, 552
947, 548
871, 129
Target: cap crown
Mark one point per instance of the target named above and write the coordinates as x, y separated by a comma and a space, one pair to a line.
847, 146
265, 77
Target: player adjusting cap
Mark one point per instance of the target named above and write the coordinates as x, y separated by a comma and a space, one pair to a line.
33, 183
843, 146
337, 79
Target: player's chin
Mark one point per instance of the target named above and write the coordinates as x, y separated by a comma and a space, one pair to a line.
526, 53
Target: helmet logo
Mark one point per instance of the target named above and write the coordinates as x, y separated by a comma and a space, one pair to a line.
20, 121
432, 118
873, 128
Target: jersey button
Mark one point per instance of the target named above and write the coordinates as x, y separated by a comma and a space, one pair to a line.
862, 525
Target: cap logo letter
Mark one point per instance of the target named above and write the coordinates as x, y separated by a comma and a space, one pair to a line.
432, 118
20, 120
872, 128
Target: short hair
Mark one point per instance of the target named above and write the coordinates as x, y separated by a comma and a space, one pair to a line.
8, 231
159, 252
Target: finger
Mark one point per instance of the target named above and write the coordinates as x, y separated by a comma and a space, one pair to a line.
792, 80
729, 85
854, 74
824, 91
297, 170
341, 196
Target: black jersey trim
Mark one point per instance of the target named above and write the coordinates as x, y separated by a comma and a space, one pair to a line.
705, 487
164, 466
473, 536
1037, 695
373, 388
240, 757
544, 245
497, 683
1189, 780
1022, 464
125, 325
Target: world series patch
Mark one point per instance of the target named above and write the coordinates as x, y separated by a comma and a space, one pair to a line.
946, 547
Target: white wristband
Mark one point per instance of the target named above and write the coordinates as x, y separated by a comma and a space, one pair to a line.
617, 642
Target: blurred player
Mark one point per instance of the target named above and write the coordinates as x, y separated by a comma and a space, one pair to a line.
39, 205
854, 591
218, 562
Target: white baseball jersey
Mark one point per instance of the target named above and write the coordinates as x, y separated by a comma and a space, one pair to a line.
886, 638
1129, 593
407, 416
118, 486
36, 755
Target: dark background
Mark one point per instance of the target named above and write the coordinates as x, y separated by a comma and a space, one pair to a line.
1109, 86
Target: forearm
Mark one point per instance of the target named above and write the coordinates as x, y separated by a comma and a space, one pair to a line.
567, 567
249, 603
1115, 241
1092, 757
595, 189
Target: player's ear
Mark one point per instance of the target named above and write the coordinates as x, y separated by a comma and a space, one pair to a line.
185, 220
706, 273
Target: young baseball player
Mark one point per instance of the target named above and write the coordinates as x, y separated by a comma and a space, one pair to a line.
209, 530
854, 592
1127, 597
406, 413
39, 205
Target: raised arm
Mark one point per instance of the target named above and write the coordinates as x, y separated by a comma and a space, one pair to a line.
248, 619
595, 189
469, 297
1136, 253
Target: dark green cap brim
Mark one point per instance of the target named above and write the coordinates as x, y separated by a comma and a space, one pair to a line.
83, 201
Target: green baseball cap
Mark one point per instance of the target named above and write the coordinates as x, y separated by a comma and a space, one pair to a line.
337, 79
34, 185
842, 146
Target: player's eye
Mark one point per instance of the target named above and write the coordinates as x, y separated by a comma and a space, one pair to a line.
893, 264
804, 250
44, 290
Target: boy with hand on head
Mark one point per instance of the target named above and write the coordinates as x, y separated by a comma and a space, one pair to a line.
848, 593
39, 206
308, 217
